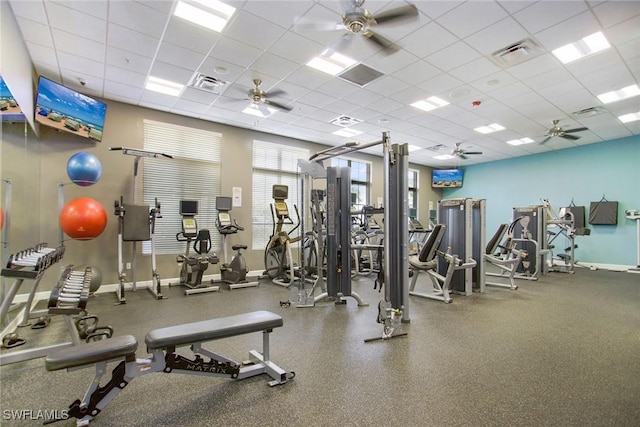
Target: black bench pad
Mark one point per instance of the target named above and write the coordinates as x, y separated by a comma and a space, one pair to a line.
207, 330
92, 352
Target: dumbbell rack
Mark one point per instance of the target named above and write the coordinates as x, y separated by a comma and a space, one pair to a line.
28, 265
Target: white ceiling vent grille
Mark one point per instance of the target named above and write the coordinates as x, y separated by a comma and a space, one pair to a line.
589, 112
435, 147
517, 53
360, 75
345, 121
207, 83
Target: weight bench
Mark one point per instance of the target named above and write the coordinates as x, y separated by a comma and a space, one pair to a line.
162, 344
426, 260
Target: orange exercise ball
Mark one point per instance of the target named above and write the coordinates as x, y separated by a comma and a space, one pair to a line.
1, 218
83, 218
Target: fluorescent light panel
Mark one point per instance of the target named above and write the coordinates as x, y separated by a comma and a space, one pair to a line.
348, 133
632, 117
587, 46
331, 62
213, 14
444, 157
494, 127
163, 86
430, 103
620, 94
413, 148
520, 141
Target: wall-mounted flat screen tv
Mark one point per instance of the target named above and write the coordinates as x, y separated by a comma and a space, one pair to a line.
446, 178
65, 109
8, 104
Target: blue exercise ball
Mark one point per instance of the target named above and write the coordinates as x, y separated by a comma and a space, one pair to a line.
84, 169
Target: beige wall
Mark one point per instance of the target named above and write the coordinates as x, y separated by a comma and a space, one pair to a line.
46, 157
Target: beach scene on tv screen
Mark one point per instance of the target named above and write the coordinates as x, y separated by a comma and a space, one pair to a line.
447, 178
8, 104
65, 109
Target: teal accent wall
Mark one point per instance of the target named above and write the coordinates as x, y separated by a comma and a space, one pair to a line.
582, 174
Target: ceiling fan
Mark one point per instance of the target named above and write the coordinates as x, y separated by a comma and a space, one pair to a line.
261, 100
562, 133
358, 20
459, 152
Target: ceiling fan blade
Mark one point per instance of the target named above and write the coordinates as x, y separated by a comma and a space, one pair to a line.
387, 46
403, 13
341, 44
544, 141
277, 105
263, 109
305, 24
473, 152
571, 137
462, 156
275, 92
575, 130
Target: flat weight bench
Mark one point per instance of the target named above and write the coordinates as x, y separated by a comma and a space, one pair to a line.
162, 344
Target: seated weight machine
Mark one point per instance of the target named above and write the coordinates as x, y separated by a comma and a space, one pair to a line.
192, 267
504, 256
278, 258
233, 273
569, 222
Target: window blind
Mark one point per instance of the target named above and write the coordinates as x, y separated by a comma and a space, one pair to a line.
193, 174
272, 164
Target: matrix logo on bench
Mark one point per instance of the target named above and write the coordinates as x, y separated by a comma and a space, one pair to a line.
35, 415
178, 362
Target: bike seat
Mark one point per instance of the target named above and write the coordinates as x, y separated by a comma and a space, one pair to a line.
237, 247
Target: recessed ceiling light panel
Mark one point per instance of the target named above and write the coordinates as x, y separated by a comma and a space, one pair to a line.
163, 86
520, 141
620, 94
494, 127
430, 103
626, 118
331, 62
589, 45
346, 132
211, 14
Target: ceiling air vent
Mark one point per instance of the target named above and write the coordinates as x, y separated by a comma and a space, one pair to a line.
207, 83
360, 75
345, 121
589, 112
435, 147
517, 53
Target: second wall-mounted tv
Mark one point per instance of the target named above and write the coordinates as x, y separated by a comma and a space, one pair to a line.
8, 104
447, 178
65, 109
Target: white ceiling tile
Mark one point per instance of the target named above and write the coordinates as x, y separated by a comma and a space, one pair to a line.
341, 107
76, 22
386, 85
93, 85
128, 60
497, 36
384, 64
185, 105
614, 12
274, 65
153, 99
192, 37
471, 17
493, 83
478, 68
97, 8
80, 64
417, 72
122, 91
281, 12
34, 32
317, 99
568, 31
253, 30
364, 97
235, 52
121, 75
170, 72
291, 91
186, 58
48, 71
296, 48
435, 9
544, 14
453, 56
336, 88
516, 5
70, 43
623, 31
533, 67
138, 17
164, 6
220, 69
32, 10
385, 106
440, 85
438, 38
199, 96
132, 41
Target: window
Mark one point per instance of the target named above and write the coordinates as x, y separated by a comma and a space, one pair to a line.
272, 164
192, 174
360, 180
413, 193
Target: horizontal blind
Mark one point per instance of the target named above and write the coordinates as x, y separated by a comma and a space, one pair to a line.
272, 164
193, 174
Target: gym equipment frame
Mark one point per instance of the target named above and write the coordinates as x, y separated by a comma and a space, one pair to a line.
529, 232
634, 214
503, 256
162, 345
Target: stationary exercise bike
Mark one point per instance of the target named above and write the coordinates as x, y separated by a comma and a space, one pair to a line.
233, 273
194, 266
278, 259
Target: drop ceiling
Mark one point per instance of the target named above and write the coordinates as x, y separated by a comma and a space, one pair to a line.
114, 45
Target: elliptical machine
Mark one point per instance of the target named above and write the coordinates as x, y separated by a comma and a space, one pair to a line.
233, 273
194, 266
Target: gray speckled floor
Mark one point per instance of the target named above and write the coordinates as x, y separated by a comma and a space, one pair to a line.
562, 351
